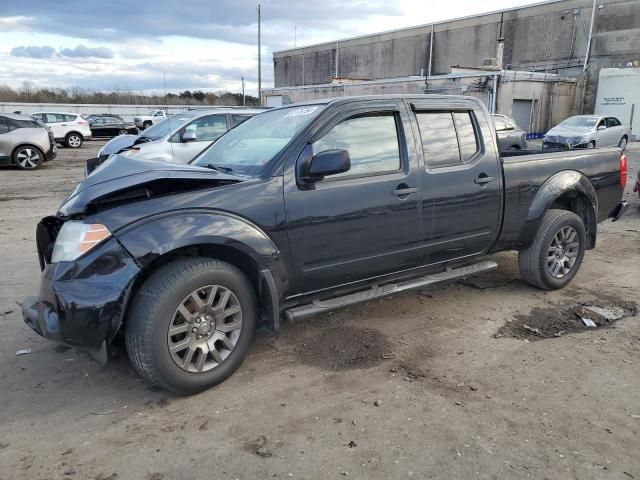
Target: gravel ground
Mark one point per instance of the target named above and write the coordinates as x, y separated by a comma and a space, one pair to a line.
428, 384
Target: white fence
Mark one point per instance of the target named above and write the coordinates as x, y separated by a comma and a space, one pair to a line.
127, 112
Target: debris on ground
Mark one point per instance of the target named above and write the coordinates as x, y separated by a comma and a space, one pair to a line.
344, 347
553, 322
26, 351
263, 452
351, 444
378, 403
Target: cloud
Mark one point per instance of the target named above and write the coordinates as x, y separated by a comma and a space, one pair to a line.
33, 52
225, 20
82, 51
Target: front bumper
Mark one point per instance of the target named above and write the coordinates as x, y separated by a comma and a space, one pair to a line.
52, 153
563, 146
82, 303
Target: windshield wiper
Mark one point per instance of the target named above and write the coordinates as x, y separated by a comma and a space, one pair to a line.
219, 168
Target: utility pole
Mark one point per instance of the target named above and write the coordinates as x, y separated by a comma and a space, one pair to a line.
244, 103
587, 53
259, 62
295, 36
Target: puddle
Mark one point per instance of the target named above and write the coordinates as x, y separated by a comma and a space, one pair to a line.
553, 322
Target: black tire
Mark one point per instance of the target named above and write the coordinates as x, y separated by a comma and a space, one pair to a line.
122, 131
73, 140
27, 157
534, 260
146, 125
152, 313
623, 143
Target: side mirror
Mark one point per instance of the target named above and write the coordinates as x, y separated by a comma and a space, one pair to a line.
602, 127
329, 162
189, 136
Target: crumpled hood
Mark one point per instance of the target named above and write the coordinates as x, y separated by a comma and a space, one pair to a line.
121, 179
117, 144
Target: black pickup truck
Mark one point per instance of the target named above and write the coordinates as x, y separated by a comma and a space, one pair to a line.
300, 210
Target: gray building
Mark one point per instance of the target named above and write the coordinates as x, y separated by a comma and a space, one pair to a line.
525, 62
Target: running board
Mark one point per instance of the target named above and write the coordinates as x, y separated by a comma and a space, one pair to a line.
378, 291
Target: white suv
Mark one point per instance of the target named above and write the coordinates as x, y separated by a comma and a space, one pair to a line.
69, 129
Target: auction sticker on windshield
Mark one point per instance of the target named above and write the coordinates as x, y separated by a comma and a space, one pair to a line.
298, 112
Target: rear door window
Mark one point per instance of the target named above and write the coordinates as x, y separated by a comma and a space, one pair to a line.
4, 128
54, 118
448, 138
439, 140
466, 135
371, 140
69, 118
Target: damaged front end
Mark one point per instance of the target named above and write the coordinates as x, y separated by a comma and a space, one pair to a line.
87, 275
81, 302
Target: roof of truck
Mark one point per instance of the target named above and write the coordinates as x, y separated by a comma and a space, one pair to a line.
360, 98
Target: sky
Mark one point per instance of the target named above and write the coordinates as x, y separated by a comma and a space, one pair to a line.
204, 45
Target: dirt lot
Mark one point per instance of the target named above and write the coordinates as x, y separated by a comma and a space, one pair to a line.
446, 383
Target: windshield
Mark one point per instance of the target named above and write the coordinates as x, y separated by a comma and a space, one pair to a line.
165, 127
580, 122
246, 148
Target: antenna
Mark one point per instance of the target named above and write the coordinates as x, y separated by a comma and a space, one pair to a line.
166, 102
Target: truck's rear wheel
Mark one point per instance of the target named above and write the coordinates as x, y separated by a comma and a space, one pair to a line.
555, 256
146, 125
191, 324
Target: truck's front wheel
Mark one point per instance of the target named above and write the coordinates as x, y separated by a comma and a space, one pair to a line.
191, 324
555, 256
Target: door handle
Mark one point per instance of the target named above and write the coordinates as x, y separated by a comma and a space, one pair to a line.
403, 191
483, 178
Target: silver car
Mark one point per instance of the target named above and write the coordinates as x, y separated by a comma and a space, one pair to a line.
25, 142
588, 131
510, 135
180, 137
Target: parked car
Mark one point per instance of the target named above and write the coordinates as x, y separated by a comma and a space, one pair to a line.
588, 131
300, 210
510, 135
179, 138
69, 129
151, 118
109, 126
25, 142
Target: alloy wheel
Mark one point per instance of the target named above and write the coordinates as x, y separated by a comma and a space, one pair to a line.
563, 252
122, 132
623, 143
74, 141
28, 158
204, 329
